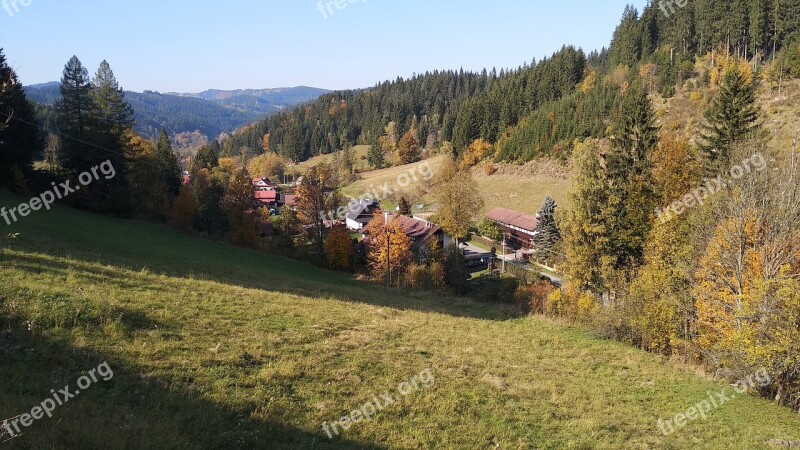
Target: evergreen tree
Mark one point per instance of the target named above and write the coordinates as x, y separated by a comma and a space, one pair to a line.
114, 114
167, 161
375, 157
547, 233
19, 137
74, 117
630, 178
112, 117
731, 116
626, 45
205, 158
404, 207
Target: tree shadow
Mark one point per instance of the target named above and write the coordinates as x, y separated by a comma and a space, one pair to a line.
130, 410
252, 270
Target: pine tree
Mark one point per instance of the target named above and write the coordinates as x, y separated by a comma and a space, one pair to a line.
19, 137
731, 116
547, 233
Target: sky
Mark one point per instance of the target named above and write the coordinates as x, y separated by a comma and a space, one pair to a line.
194, 45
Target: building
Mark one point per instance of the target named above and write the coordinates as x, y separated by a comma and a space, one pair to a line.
519, 229
267, 199
360, 213
421, 233
263, 184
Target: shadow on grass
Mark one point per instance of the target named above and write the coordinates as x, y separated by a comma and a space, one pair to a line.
227, 265
128, 411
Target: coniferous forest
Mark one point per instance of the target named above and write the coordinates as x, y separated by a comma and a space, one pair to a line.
537, 109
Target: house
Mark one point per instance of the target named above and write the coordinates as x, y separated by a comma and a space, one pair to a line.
360, 213
266, 198
289, 200
263, 184
421, 233
519, 229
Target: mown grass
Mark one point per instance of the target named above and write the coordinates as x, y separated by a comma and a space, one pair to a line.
217, 347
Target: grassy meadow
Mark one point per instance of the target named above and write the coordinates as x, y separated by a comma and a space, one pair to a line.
218, 347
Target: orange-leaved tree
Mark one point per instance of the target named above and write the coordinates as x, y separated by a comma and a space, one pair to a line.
339, 248
398, 248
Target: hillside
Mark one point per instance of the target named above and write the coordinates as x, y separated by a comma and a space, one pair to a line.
211, 112
213, 346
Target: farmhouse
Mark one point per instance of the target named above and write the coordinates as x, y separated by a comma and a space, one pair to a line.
518, 229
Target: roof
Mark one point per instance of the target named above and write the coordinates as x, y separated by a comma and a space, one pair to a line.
266, 195
513, 218
418, 230
262, 182
289, 199
356, 208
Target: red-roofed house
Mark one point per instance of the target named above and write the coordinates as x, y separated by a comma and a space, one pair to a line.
519, 229
267, 198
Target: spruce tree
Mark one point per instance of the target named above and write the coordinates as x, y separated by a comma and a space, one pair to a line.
114, 114
547, 233
731, 117
630, 180
74, 111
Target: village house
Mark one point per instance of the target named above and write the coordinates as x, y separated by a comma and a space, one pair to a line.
265, 193
519, 229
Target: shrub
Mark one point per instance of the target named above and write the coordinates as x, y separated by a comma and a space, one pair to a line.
488, 229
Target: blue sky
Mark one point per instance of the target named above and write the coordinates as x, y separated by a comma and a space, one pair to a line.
193, 45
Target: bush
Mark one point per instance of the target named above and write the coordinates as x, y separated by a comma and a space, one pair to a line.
532, 299
420, 276
455, 271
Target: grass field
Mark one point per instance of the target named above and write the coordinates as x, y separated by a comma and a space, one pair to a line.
359, 152
218, 347
518, 192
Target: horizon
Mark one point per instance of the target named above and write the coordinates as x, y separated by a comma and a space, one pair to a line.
245, 48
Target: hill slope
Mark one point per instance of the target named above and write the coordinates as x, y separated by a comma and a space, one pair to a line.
214, 346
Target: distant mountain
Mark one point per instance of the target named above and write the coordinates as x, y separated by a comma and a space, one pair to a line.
212, 112
266, 101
